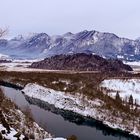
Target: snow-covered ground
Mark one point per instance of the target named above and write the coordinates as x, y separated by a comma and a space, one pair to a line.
19, 123
135, 63
13, 133
18, 65
62, 100
125, 88
10, 136
26, 60
15, 65
23, 66
80, 104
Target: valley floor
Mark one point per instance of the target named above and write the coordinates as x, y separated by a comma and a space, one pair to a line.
23, 66
89, 94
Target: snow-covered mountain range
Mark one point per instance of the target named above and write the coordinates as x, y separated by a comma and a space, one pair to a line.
42, 45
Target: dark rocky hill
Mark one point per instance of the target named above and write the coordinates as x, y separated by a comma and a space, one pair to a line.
81, 62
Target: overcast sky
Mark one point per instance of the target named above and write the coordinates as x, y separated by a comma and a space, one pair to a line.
121, 17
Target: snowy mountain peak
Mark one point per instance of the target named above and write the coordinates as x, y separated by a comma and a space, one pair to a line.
18, 38
68, 34
41, 36
138, 39
41, 45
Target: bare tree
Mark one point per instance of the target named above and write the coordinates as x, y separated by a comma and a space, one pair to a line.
3, 32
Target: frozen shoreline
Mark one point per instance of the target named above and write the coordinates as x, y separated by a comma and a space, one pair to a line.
20, 124
78, 104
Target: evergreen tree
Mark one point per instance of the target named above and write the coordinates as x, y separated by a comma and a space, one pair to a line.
118, 98
131, 100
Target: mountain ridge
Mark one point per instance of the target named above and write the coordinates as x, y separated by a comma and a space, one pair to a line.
42, 45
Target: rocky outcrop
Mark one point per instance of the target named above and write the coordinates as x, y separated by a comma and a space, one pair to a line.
81, 62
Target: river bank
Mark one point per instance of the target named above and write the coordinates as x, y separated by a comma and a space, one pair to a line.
16, 124
81, 105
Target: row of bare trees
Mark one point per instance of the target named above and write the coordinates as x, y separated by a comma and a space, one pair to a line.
3, 32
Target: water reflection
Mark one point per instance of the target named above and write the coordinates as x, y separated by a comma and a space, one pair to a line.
64, 123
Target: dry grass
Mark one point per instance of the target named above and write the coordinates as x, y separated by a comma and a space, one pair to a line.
88, 81
86, 84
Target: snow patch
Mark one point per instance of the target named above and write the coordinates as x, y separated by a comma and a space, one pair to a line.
135, 63
124, 87
10, 136
78, 103
62, 100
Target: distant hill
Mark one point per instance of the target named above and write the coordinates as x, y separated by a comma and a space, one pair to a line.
41, 45
81, 62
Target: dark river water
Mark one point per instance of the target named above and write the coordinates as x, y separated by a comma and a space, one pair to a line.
58, 125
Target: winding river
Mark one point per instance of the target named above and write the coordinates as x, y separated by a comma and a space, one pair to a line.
63, 126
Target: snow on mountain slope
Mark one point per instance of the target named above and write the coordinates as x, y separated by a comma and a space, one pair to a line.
42, 45
2, 56
124, 87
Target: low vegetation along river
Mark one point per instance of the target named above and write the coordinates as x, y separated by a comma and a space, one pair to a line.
59, 126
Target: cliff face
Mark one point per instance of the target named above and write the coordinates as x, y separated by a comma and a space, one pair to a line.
81, 62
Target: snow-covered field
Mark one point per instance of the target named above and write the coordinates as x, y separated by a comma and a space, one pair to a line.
134, 65
14, 64
20, 119
79, 104
19, 65
23, 66
125, 88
